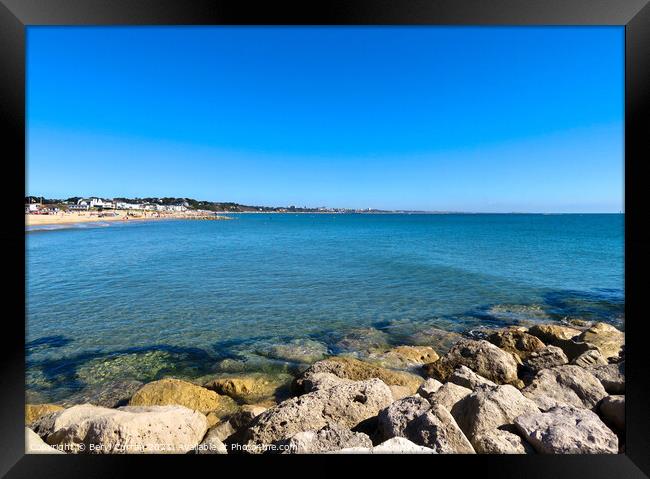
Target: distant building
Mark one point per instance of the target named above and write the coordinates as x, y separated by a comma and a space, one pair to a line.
79, 207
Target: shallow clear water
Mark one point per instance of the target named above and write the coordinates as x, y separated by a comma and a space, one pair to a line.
142, 300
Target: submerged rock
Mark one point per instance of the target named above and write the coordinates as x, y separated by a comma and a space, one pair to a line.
356, 370
98, 430
567, 430
329, 438
345, 405
301, 351
112, 394
481, 356
439, 339
565, 385
36, 411
361, 340
176, 392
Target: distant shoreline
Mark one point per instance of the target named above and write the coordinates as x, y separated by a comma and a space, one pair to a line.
70, 218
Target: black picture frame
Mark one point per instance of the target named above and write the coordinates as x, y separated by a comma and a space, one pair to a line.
634, 15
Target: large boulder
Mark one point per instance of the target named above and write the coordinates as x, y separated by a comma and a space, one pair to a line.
499, 441
356, 370
94, 429
393, 420
464, 376
546, 358
563, 337
35, 445
565, 385
36, 411
516, 342
481, 356
249, 389
329, 438
611, 376
448, 395
567, 430
612, 409
318, 381
489, 408
182, 393
605, 338
346, 405
437, 429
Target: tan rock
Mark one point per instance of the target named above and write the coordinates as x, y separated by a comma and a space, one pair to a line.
498, 441
565, 385
132, 429
481, 356
449, 394
250, 389
405, 356
605, 338
174, 391
346, 405
563, 337
356, 370
516, 342
438, 430
36, 411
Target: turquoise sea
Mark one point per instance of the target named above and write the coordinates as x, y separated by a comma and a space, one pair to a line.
143, 300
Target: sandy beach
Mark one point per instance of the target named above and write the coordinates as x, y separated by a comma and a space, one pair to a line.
62, 218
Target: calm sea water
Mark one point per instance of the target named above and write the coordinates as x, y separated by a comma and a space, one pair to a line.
267, 291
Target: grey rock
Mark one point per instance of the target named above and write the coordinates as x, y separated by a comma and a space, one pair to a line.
498, 441
482, 357
611, 376
449, 394
329, 438
612, 408
318, 381
569, 384
393, 420
438, 430
567, 430
345, 405
489, 408
428, 387
549, 357
464, 376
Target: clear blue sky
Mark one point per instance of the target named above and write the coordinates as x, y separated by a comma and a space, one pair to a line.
433, 118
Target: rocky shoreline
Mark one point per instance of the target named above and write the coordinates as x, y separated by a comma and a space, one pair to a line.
549, 389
